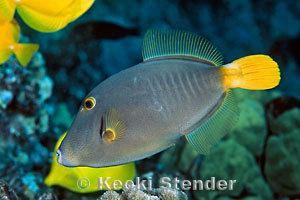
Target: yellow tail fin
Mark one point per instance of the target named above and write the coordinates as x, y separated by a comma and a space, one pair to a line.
24, 52
7, 10
255, 72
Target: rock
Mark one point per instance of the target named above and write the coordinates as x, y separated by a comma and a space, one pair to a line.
251, 129
6, 193
231, 161
286, 122
283, 163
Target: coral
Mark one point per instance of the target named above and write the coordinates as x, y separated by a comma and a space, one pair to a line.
24, 121
251, 129
286, 122
48, 196
6, 193
283, 163
33, 117
110, 195
230, 160
170, 194
132, 192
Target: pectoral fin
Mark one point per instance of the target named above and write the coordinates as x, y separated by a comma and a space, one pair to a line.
114, 127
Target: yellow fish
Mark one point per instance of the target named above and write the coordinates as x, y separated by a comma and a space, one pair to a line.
44, 16
9, 38
86, 179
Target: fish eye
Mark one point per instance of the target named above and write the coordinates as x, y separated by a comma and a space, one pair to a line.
89, 103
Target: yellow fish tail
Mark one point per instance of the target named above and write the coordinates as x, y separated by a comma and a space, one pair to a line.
52, 15
41, 22
7, 10
24, 52
80, 8
255, 72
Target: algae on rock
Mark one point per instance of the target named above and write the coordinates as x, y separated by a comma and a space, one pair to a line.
231, 161
283, 163
251, 129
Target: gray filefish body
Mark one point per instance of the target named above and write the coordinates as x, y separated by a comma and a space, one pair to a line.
181, 89
158, 100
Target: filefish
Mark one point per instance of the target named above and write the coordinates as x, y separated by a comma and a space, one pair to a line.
9, 44
86, 179
44, 16
181, 89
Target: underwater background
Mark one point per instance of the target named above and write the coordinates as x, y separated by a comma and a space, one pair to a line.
38, 103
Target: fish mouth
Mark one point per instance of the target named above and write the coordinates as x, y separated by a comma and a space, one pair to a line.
62, 161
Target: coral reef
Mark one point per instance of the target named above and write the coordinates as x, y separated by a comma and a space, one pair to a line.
262, 152
24, 122
236, 164
134, 193
283, 163
6, 192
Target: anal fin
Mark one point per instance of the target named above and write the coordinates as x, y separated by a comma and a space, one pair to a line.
215, 127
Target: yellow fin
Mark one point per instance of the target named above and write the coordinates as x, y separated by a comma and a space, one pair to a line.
52, 15
7, 10
255, 72
114, 126
41, 22
4, 55
81, 6
10, 33
86, 179
49, 7
24, 52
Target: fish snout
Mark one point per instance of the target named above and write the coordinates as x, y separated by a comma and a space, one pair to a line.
61, 159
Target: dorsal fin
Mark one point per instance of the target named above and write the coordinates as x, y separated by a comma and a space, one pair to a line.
215, 127
179, 43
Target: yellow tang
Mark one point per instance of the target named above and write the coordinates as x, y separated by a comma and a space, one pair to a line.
9, 38
86, 179
48, 16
